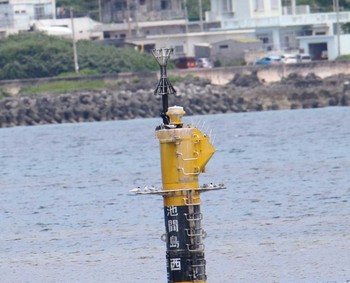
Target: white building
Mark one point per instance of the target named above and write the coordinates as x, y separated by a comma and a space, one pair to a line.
16, 15
25, 15
283, 28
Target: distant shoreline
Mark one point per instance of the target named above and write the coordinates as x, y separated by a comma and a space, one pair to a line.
245, 93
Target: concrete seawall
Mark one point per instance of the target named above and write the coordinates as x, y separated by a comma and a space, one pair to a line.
216, 76
270, 73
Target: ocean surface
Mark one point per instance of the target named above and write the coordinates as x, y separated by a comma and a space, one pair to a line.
66, 213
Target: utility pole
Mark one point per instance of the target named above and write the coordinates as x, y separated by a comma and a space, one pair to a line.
200, 7
128, 14
76, 66
293, 7
136, 18
186, 15
99, 11
336, 4
53, 4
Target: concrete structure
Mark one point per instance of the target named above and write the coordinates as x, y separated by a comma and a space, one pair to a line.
131, 30
16, 15
217, 76
234, 51
119, 11
151, 24
184, 44
283, 28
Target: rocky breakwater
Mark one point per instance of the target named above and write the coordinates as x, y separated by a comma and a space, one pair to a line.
128, 101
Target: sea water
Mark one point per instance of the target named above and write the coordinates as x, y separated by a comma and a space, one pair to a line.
67, 215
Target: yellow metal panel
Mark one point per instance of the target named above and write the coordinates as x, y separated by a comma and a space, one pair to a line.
184, 153
205, 149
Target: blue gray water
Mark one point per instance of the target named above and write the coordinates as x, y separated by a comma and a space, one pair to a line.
66, 214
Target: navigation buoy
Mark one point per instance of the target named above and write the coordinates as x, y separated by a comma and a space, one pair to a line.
184, 153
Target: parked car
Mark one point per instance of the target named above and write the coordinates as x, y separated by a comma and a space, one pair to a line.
204, 63
269, 60
303, 58
185, 62
289, 58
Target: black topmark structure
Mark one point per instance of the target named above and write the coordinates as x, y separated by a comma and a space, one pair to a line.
184, 153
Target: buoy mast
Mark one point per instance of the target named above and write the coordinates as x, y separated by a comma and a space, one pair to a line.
184, 153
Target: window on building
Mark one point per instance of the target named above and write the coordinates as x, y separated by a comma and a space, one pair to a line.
39, 11
286, 41
259, 5
179, 49
165, 4
120, 5
142, 2
224, 46
274, 4
227, 5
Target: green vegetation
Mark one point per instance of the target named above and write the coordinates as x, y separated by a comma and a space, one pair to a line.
83, 72
108, 59
175, 79
64, 86
34, 55
193, 9
324, 5
3, 94
344, 57
346, 27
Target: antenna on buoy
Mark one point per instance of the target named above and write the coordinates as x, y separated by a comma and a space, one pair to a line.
164, 87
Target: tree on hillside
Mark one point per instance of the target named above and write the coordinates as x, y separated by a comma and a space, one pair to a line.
193, 9
28, 55
33, 55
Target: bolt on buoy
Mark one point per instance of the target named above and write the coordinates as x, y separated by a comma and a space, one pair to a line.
184, 153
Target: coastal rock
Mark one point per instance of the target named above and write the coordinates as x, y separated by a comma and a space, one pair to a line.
245, 93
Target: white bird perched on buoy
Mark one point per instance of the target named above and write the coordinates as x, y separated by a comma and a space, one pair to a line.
135, 190
153, 189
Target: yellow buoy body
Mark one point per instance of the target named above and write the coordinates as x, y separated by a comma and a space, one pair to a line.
184, 153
